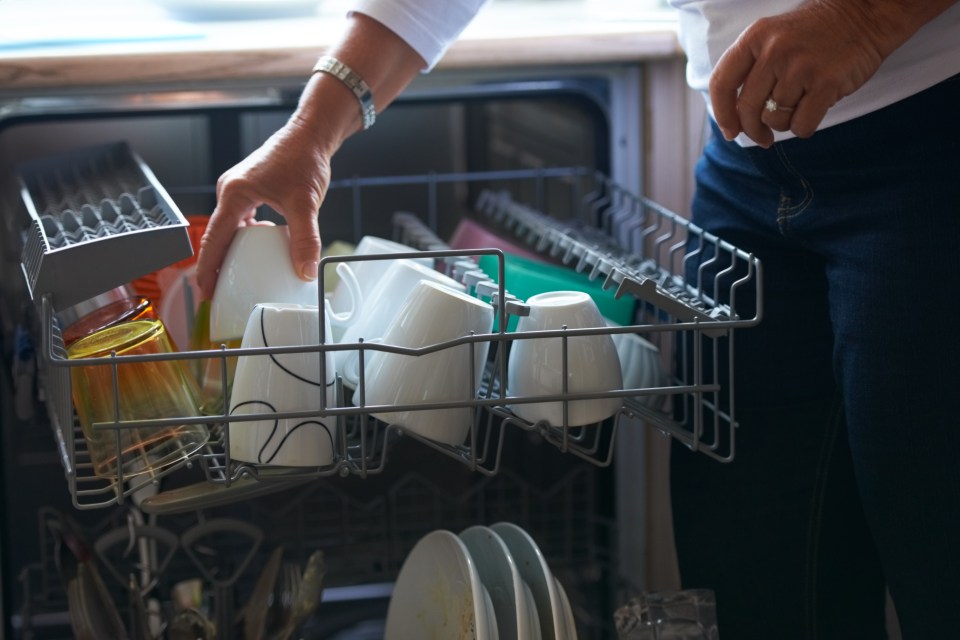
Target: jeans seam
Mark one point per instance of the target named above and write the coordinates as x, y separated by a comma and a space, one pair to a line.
785, 210
816, 516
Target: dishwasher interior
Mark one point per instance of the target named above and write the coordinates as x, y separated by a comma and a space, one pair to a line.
529, 162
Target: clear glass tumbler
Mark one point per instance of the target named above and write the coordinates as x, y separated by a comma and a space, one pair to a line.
687, 614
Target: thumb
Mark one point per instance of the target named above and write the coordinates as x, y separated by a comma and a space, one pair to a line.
305, 245
227, 216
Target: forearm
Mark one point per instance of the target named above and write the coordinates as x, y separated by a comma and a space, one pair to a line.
290, 171
385, 62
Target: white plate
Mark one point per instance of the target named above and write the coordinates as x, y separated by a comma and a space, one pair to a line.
491, 614
566, 612
532, 615
535, 572
438, 594
500, 576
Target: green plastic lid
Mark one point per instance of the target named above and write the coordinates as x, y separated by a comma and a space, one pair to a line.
526, 278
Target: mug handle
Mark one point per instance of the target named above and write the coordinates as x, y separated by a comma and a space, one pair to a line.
351, 369
346, 318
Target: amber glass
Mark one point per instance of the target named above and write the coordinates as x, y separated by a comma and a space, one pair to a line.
124, 310
143, 391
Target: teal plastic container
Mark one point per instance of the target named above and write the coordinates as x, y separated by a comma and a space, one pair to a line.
526, 278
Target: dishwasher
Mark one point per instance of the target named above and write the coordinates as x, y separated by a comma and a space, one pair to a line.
531, 159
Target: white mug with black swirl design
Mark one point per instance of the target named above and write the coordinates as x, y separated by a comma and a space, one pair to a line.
281, 383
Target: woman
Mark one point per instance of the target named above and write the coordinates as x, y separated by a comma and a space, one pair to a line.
834, 161
843, 481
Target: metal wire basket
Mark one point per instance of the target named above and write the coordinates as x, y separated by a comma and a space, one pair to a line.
626, 244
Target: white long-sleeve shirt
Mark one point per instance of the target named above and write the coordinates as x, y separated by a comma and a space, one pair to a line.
428, 26
709, 27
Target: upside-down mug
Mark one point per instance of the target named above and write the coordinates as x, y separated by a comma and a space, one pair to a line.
257, 268
382, 303
537, 366
431, 315
366, 274
284, 382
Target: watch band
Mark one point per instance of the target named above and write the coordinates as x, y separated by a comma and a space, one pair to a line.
346, 75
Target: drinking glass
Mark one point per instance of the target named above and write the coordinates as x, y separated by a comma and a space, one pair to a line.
133, 391
123, 310
686, 614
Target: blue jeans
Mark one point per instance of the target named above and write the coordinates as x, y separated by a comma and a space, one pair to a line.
847, 472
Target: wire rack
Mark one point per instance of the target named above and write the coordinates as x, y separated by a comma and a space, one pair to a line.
686, 285
365, 539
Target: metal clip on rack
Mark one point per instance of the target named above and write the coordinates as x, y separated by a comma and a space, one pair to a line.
574, 217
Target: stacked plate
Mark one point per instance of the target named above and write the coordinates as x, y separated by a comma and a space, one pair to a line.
488, 583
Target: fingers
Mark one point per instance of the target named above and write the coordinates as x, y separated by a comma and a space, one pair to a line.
810, 112
751, 105
730, 74
740, 87
230, 213
804, 61
305, 244
781, 105
235, 210
742, 83
288, 174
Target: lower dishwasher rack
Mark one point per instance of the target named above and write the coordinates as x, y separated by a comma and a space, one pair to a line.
570, 216
366, 530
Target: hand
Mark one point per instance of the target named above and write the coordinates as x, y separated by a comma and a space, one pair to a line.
805, 60
289, 173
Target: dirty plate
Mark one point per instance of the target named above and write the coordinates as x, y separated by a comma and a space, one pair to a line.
438, 594
536, 573
499, 575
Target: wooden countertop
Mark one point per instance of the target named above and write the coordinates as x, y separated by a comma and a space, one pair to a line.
59, 46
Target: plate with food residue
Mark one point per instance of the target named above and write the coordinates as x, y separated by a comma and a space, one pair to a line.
534, 570
438, 594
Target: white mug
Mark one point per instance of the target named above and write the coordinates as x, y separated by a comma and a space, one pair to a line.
382, 303
275, 383
535, 365
640, 365
368, 272
431, 314
257, 268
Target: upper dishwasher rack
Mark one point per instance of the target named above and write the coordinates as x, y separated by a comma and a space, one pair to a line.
571, 216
